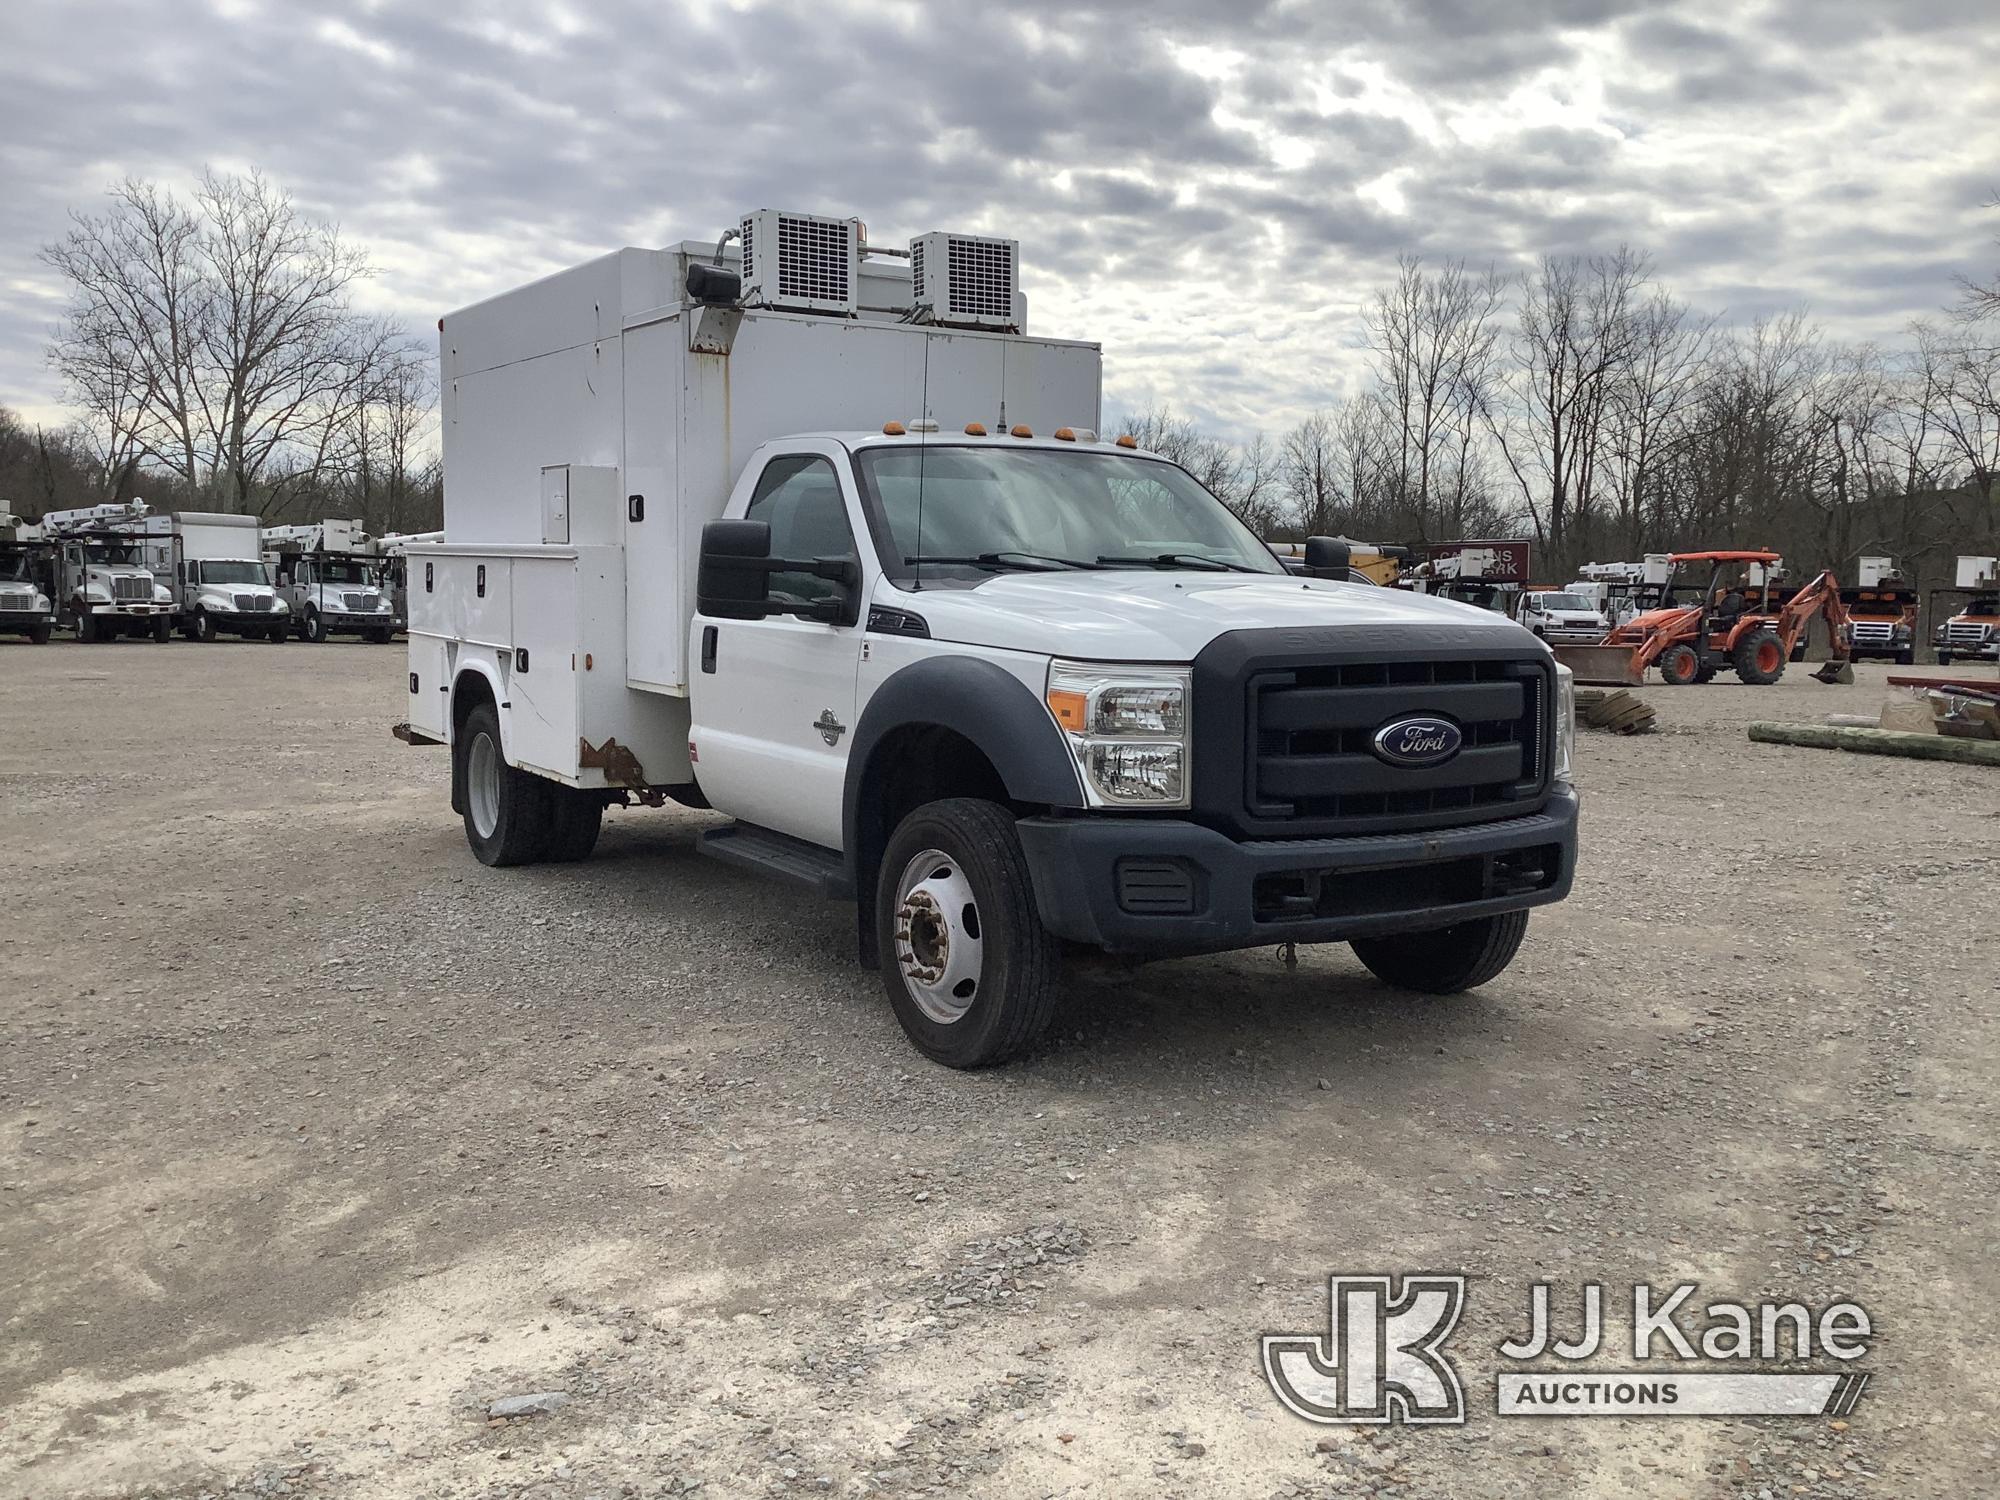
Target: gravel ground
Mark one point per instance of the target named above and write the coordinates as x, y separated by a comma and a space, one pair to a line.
316, 1138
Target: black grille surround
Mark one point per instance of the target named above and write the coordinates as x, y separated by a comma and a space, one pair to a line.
1283, 721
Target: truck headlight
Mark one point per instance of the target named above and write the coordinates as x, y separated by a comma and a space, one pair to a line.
1127, 731
1565, 722
161, 596
279, 607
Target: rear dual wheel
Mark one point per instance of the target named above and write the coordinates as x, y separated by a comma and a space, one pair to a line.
513, 817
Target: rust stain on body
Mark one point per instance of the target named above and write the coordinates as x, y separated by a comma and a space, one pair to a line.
619, 765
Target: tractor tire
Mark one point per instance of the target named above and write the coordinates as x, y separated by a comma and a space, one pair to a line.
1445, 960
1706, 672
1679, 665
972, 974
509, 814
1759, 658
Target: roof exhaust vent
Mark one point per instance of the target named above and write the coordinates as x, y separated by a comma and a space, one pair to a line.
966, 280
800, 262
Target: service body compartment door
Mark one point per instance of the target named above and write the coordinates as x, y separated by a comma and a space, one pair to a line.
543, 666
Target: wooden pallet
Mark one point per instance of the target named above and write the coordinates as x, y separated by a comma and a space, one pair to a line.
1613, 709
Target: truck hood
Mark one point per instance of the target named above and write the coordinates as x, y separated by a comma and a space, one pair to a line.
1134, 615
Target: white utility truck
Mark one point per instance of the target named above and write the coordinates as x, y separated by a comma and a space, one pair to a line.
27, 580
103, 586
1561, 617
813, 533
221, 581
329, 574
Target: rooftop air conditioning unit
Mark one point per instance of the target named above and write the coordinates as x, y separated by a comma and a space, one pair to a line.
966, 280
800, 262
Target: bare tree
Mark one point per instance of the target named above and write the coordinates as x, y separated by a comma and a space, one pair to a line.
1649, 401
216, 338
1979, 299
1433, 335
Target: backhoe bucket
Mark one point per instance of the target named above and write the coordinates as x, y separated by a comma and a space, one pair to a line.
1603, 666
1835, 671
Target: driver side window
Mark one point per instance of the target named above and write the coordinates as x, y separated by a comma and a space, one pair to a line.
799, 496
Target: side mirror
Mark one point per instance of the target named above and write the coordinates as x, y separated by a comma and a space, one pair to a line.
1327, 557
733, 581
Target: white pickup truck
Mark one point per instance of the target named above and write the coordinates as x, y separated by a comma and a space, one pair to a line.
831, 546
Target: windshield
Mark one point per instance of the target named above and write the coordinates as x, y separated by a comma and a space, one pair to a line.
14, 568
343, 572
1566, 601
120, 554
235, 572
983, 510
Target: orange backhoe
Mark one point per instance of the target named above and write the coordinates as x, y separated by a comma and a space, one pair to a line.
1751, 628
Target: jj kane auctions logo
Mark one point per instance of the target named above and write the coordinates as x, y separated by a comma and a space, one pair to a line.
1382, 1357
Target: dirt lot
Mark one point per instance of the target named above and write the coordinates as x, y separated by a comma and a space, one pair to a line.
316, 1137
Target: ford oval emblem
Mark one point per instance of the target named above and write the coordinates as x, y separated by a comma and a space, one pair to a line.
1420, 741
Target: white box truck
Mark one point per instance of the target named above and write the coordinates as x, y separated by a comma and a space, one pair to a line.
850, 565
221, 583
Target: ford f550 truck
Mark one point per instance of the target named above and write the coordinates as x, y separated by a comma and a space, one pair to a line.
812, 533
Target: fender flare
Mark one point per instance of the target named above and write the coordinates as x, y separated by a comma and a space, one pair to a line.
979, 700
471, 667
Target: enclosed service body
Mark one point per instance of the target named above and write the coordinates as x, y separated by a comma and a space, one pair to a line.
816, 535
104, 587
222, 585
331, 575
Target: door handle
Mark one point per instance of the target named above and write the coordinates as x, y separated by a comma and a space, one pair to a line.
708, 644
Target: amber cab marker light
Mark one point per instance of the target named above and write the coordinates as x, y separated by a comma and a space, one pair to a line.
1065, 435
975, 429
1069, 708
1021, 432
892, 429
1126, 440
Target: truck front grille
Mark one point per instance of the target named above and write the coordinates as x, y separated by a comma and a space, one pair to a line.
1304, 764
1873, 633
132, 589
247, 604
17, 601
1966, 635
358, 603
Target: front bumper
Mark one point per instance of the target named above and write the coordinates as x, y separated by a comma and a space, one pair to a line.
359, 622
25, 619
1970, 651
1572, 636
1153, 886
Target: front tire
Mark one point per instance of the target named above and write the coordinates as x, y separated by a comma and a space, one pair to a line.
377, 637
508, 813
1944, 658
1445, 960
86, 628
202, 628
1907, 657
38, 635
315, 627
970, 970
278, 634
1679, 665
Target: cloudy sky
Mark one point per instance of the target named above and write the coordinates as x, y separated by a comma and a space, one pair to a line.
1211, 189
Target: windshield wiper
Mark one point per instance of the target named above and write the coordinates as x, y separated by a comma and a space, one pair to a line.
1024, 562
1180, 559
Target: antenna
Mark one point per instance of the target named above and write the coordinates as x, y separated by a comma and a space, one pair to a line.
923, 452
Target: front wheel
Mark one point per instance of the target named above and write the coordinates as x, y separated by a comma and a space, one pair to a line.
1680, 665
1907, 657
315, 627
202, 627
1944, 658
508, 813
970, 970
38, 635
278, 633
1445, 960
86, 628
377, 637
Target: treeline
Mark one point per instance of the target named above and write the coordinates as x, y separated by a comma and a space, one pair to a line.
214, 353
216, 358
1585, 406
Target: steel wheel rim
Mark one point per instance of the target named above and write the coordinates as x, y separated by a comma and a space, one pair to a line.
482, 785
940, 942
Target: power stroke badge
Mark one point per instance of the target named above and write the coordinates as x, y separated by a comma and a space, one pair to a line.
1382, 1358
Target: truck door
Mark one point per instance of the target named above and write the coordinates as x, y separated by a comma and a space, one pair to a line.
773, 699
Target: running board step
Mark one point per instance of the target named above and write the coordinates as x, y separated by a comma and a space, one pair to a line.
779, 855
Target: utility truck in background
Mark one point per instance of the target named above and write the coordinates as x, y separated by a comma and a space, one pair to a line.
329, 574
221, 582
103, 585
1972, 633
27, 580
814, 533
1881, 612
